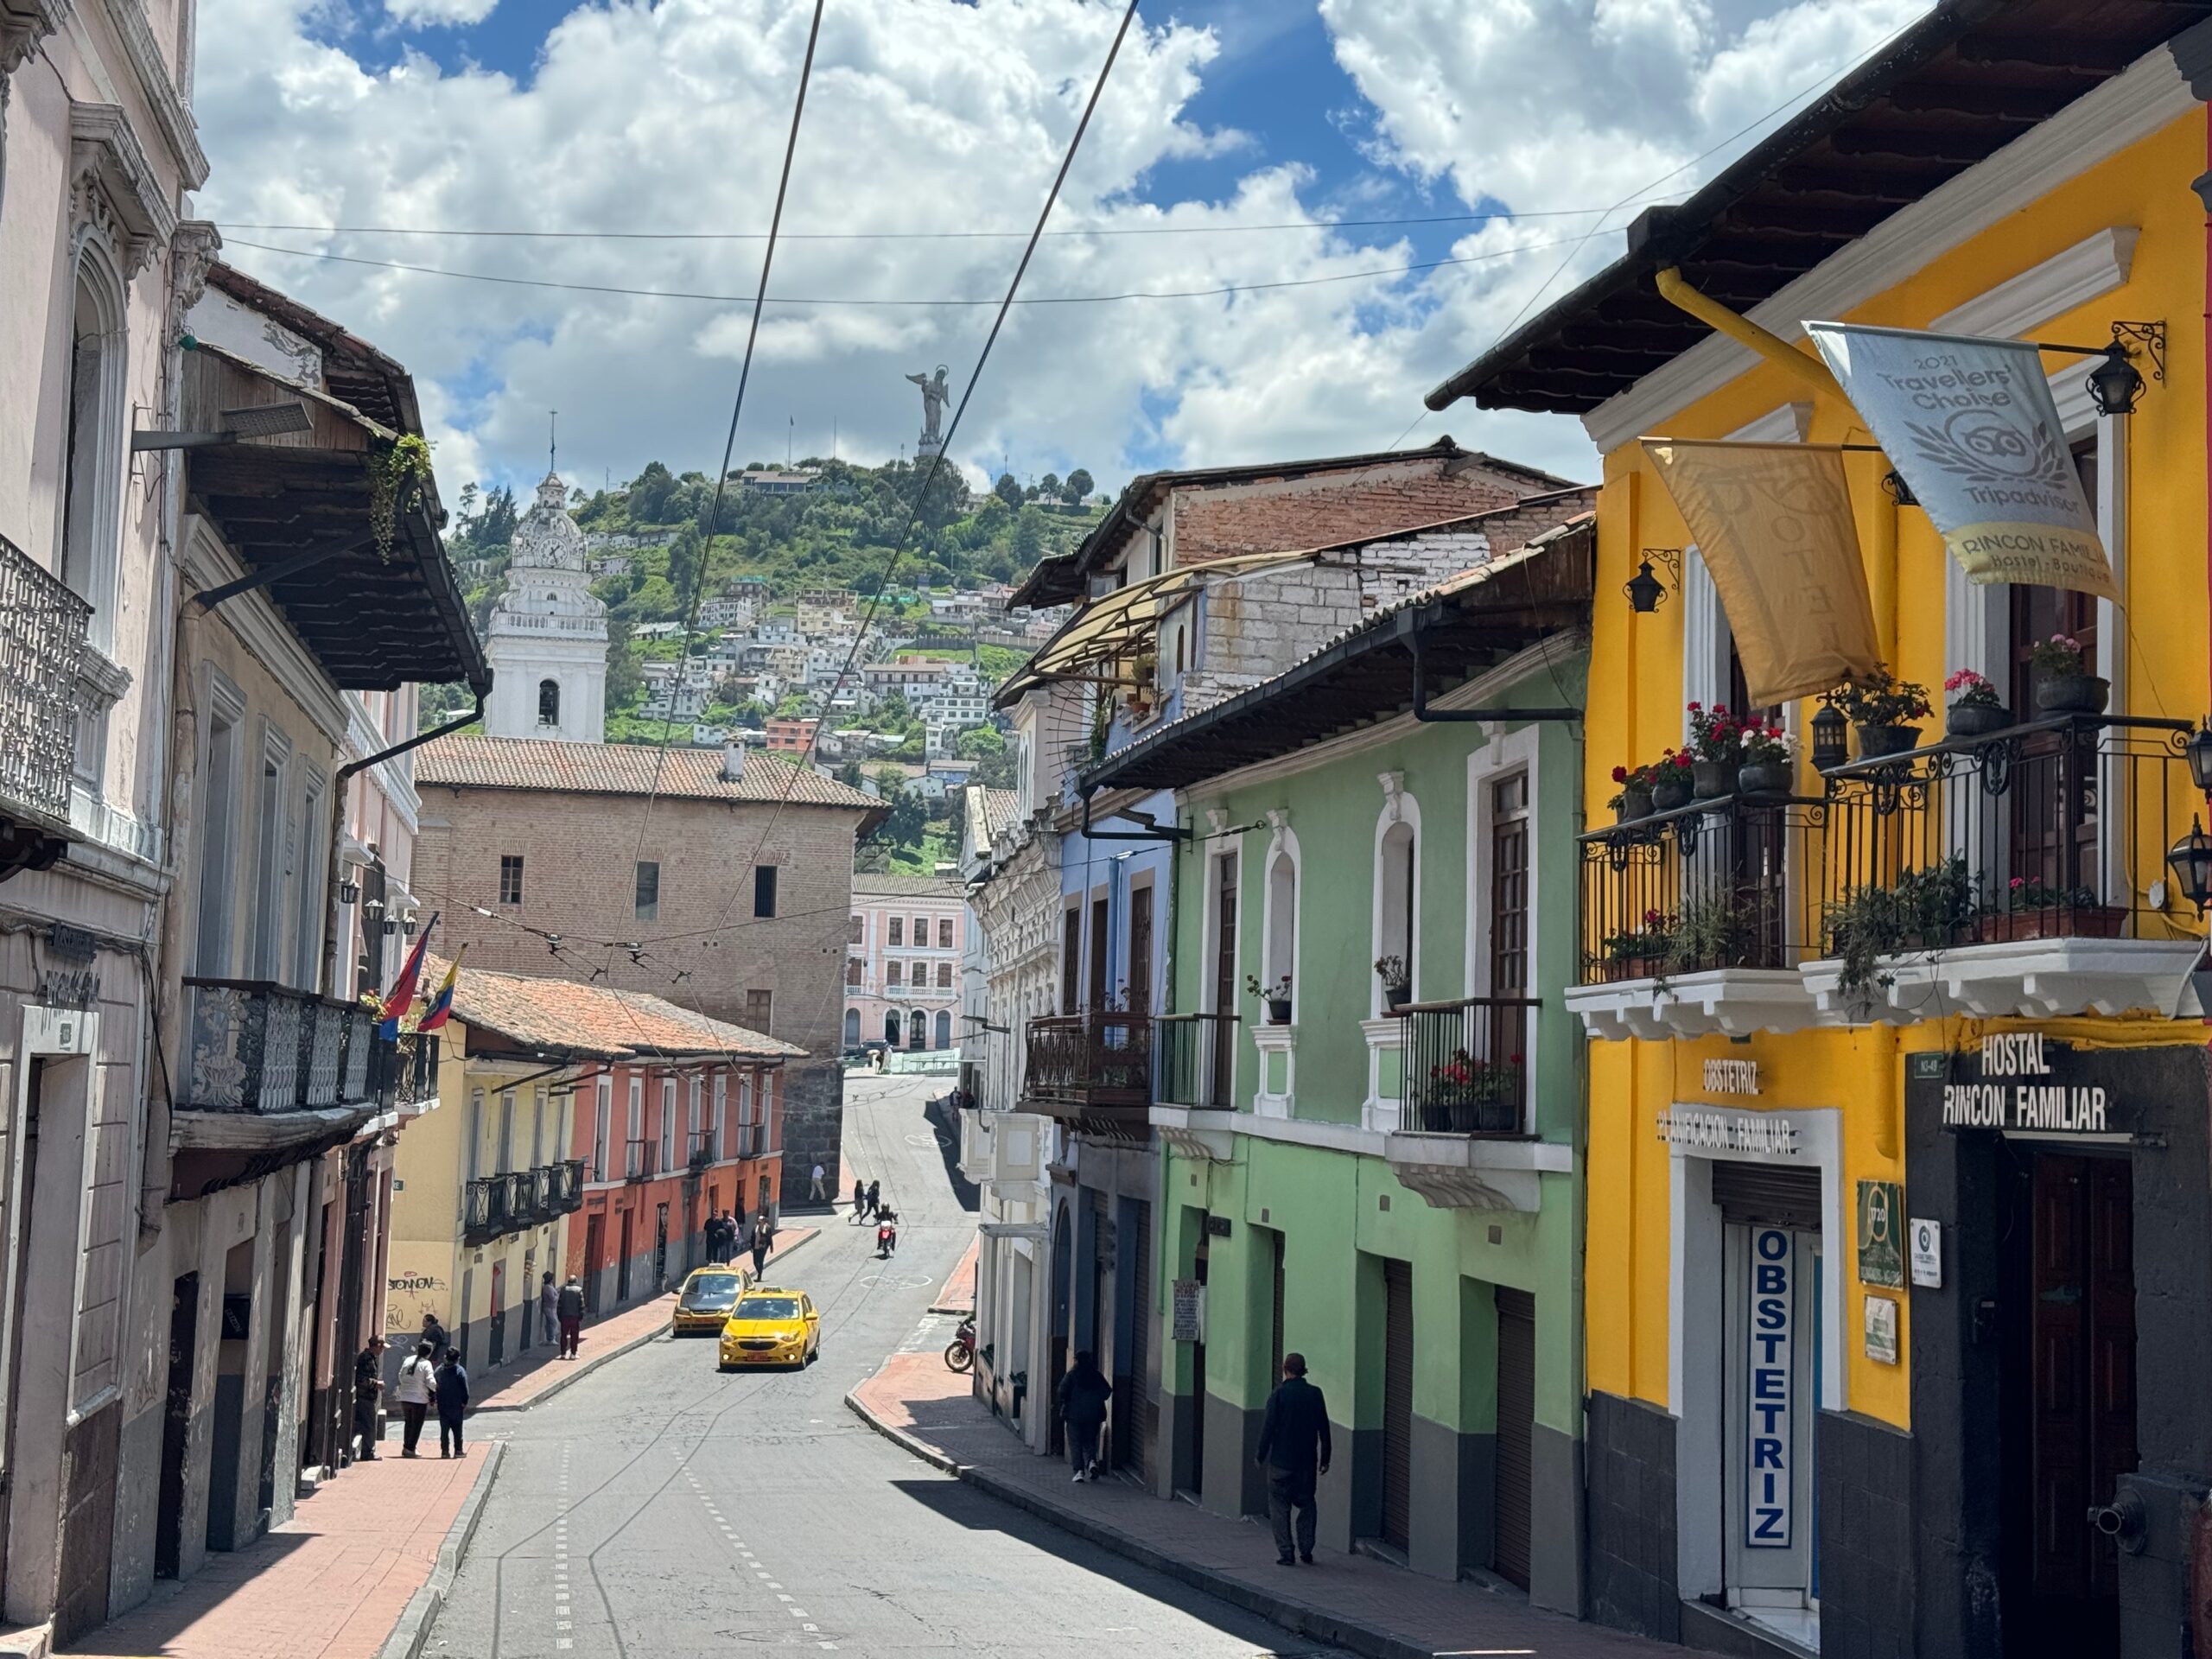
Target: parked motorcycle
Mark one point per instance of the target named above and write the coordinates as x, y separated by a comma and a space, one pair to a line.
960, 1352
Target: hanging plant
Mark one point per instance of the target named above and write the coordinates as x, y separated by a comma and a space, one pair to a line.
397, 475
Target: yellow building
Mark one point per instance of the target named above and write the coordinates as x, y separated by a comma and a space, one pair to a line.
1899, 1255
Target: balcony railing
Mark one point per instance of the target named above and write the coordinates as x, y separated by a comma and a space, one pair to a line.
1095, 1069
1714, 885
1194, 1059
568, 1186
415, 1069
638, 1161
483, 1210
254, 1047
494, 1205
1466, 1065
700, 1150
542, 1185
42, 650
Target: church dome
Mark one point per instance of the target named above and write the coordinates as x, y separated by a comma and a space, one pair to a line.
546, 538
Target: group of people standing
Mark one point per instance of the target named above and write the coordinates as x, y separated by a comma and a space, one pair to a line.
432, 1376
728, 1236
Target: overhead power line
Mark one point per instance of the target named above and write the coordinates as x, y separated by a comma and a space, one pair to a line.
1220, 291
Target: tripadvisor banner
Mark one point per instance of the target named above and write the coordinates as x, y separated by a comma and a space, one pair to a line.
1971, 425
1773, 523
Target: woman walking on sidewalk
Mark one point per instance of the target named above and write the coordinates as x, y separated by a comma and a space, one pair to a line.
452, 1403
1083, 1393
417, 1381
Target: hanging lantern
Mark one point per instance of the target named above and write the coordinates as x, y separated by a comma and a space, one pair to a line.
2190, 859
2198, 752
1646, 592
349, 893
2115, 384
1830, 733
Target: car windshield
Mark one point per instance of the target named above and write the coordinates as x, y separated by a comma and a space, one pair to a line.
719, 1291
768, 1307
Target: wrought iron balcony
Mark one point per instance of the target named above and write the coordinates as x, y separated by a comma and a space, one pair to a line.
1092, 1071
415, 1069
1466, 1065
483, 1210
568, 1186
700, 1149
255, 1046
2012, 873
495, 1206
638, 1161
42, 650
543, 1184
1195, 1060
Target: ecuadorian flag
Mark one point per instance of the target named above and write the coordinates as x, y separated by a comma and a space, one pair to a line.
441, 1006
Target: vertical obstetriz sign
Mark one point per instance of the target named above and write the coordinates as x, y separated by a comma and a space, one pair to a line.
1767, 1396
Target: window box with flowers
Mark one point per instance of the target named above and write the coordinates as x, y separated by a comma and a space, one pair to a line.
1975, 711
1673, 780
1463, 1094
1885, 710
1716, 751
2032, 908
1632, 800
1767, 768
2065, 681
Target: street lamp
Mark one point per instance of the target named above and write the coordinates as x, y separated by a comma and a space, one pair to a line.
1646, 592
349, 893
2115, 384
2191, 860
2198, 752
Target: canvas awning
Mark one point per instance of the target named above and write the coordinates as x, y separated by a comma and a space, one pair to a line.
1126, 622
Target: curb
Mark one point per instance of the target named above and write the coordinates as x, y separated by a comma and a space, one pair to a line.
412, 1634
583, 1369
1299, 1618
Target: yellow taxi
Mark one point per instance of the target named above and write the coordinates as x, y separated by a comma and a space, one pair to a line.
771, 1327
707, 1298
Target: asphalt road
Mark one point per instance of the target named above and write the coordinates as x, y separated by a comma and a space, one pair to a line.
657, 1511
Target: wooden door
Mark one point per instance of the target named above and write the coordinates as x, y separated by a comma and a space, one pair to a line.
1516, 1430
1508, 887
2054, 812
2081, 1417
1224, 978
1140, 974
1397, 1402
1071, 960
1101, 984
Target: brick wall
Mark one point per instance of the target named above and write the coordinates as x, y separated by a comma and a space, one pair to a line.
579, 854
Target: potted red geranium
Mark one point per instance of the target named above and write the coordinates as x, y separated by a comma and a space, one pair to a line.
2065, 681
1975, 710
1766, 769
1716, 750
1673, 780
1633, 799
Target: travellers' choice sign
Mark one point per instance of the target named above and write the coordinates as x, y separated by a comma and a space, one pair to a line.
1970, 425
2024, 1083
1773, 523
1767, 1397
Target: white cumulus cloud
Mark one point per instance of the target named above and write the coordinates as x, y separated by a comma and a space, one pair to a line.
417, 14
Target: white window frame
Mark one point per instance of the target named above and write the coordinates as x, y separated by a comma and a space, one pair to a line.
1516, 751
1282, 849
602, 1125
1400, 805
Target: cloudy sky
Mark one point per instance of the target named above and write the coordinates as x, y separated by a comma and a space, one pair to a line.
349, 136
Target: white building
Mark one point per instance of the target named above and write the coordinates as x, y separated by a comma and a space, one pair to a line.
548, 638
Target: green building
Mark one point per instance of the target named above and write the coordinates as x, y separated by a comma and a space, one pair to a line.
1386, 1180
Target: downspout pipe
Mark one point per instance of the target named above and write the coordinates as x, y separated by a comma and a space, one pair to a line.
332, 873
1678, 293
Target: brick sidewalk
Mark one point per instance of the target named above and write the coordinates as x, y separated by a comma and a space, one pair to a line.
328, 1584
1352, 1600
610, 1338
957, 1294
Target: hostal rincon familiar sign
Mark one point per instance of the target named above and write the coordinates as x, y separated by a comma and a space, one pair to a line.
2020, 1082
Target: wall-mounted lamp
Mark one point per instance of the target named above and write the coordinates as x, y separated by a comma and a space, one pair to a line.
2190, 859
409, 924
2198, 752
1831, 736
349, 893
1646, 592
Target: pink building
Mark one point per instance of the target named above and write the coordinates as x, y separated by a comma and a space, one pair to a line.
902, 962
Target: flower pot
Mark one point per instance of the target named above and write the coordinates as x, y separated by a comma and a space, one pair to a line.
1975, 719
1632, 968
1711, 779
1395, 997
1671, 794
1877, 741
1764, 778
1278, 1012
2053, 922
2072, 694
1636, 803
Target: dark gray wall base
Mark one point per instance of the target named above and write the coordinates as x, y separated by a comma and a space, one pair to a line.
814, 1132
1477, 1457
1633, 1582
1439, 1506
1867, 1576
1708, 1630
1556, 1542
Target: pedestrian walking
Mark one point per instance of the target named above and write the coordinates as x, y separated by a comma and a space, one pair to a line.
714, 1236
1293, 1445
820, 1191
548, 1310
874, 1196
368, 1383
763, 1236
859, 1202
453, 1403
416, 1384
569, 1308
1083, 1393
435, 1334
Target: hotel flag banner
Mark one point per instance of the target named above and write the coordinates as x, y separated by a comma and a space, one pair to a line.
1971, 425
1773, 523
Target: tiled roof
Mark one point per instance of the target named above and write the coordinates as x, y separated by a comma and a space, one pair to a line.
560, 1016
997, 810
625, 769
905, 886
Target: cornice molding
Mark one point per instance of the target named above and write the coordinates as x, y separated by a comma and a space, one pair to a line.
170, 112
113, 189
23, 25
2125, 110
2091, 267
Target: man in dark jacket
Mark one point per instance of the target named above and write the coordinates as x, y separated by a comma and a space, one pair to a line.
368, 1383
569, 1308
1295, 1428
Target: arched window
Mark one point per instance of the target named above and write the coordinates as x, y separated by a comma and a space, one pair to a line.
548, 703
93, 474
1280, 940
852, 1027
891, 1028
1397, 884
918, 1033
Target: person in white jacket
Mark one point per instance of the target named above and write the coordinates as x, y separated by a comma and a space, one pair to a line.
418, 1386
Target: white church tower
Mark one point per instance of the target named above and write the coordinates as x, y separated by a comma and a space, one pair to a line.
548, 645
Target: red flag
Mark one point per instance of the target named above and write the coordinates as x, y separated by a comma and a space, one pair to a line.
403, 988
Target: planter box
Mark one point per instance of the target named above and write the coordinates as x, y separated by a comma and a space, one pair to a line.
2072, 694
1713, 779
1877, 741
1765, 778
1670, 796
2054, 922
1975, 720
